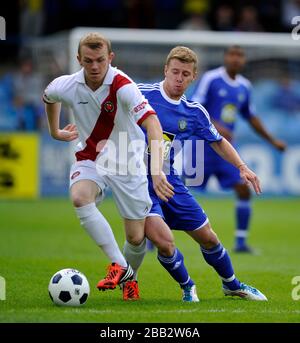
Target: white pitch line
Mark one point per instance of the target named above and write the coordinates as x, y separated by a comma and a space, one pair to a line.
84, 310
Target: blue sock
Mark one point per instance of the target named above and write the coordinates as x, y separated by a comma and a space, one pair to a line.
176, 268
243, 214
218, 258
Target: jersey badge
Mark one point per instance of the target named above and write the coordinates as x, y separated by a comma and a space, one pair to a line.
222, 92
182, 124
108, 106
241, 97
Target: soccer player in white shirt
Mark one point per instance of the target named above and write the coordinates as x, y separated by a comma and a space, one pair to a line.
108, 110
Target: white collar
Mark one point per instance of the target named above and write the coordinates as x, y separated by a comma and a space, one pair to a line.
109, 77
165, 96
228, 79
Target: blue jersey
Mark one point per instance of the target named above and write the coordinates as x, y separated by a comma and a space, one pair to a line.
223, 97
180, 119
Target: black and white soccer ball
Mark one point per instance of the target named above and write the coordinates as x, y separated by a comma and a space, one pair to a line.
69, 287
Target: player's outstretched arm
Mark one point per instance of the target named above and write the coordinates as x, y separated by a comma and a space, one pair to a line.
228, 153
223, 130
162, 187
257, 125
68, 133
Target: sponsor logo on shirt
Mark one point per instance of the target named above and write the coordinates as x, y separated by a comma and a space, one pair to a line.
140, 107
168, 139
228, 114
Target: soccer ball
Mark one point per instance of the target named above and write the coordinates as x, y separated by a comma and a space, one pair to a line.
69, 287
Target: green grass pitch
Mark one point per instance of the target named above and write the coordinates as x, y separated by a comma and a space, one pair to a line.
41, 237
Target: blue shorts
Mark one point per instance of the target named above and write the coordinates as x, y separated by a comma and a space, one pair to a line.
227, 175
181, 212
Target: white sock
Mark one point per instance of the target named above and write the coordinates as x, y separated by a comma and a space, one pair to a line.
135, 254
100, 231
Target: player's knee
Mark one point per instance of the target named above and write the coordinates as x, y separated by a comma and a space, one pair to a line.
134, 239
209, 239
164, 242
243, 192
80, 199
165, 248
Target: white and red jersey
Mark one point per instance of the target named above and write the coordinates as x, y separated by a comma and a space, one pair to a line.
114, 110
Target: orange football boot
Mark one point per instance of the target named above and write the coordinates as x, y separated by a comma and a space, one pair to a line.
116, 274
131, 290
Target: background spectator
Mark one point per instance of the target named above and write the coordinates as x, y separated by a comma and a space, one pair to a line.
224, 18
196, 12
27, 85
290, 9
248, 20
31, 18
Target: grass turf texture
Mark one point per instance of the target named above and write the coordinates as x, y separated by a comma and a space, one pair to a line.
41, 237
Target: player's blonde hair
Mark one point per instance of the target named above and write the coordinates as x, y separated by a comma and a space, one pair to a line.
94, 40
183, 54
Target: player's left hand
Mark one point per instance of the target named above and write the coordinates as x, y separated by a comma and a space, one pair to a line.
250, 178
279, 145
162, 188
67, 134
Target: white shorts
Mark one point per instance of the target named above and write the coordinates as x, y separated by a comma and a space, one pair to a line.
130, 192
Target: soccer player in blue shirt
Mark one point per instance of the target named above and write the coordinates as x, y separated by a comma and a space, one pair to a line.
225, 94
181, 119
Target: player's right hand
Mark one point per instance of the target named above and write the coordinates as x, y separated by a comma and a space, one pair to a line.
162, 188
279, 145
67, 134
250, 178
